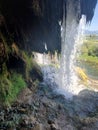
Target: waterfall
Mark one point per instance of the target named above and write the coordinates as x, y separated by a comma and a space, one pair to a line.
71, 34
65, 79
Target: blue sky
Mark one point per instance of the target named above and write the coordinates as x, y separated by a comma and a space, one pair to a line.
94, 23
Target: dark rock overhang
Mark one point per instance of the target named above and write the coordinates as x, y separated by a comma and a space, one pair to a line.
32, 24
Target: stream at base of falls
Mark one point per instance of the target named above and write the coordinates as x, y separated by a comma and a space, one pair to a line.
52, 79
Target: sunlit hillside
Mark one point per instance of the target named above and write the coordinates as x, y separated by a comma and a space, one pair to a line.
89, 49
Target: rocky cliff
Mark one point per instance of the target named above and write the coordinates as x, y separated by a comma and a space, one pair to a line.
33, 23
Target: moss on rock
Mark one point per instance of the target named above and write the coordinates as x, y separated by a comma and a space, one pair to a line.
10, 86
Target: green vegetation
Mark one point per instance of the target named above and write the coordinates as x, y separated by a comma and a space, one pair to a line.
10, 86
17, 68
13, 81
89, 50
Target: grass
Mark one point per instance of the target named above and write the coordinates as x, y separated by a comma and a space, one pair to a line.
10, 86
18, 84
89, 59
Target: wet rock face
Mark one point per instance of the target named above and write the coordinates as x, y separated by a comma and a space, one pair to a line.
2, 52
16, 63
35, 23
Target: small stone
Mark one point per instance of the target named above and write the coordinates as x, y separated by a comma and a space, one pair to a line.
59, 107
22, 110
24, 121
53, 127
38, 127
50, 122
32, 119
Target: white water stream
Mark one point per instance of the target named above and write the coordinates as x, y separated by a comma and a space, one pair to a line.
72, 35
65, 80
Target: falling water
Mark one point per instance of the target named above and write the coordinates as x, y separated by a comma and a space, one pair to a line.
72, 34
72, 37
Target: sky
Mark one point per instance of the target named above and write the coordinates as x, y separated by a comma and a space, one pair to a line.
94, 23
